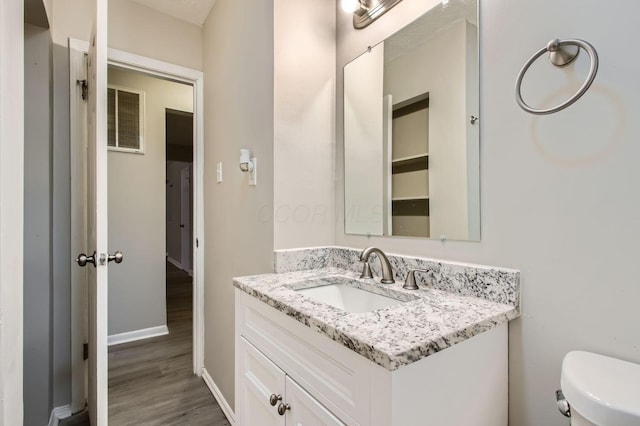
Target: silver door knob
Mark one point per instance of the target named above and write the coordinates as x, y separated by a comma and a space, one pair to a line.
117, 257
282, 408
83, 259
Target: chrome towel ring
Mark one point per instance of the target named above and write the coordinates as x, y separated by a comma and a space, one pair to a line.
561, 53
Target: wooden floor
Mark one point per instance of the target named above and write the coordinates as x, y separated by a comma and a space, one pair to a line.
151, 381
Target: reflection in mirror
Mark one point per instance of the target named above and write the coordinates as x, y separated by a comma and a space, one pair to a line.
411, 147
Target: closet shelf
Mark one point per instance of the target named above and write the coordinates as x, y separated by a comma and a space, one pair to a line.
410, 158
409, 198
410, 164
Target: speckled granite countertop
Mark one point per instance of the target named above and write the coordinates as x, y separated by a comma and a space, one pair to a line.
429, 321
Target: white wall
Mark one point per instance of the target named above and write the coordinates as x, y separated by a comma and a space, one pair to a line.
133, 28
557, 191
416, 73
11, 210
304, 111
137, 209
284, 114
239, 111
37, 226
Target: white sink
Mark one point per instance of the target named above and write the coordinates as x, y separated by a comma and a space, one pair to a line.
348, 298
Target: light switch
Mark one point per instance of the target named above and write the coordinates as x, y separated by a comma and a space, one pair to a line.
219, 172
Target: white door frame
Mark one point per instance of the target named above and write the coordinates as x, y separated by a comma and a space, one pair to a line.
162, 70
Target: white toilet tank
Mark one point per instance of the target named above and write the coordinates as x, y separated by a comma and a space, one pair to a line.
600, 390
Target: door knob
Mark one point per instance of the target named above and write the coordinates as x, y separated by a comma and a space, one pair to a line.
117, 256
83, 259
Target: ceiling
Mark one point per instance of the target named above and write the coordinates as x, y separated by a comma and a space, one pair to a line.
438, 19
193, 11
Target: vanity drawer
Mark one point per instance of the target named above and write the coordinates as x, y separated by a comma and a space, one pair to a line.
338, 378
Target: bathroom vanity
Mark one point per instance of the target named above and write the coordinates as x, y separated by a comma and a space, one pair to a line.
386, 356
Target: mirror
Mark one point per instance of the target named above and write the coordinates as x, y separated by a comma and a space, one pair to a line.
411, 130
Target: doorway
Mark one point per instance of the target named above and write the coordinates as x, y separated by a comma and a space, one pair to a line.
150, 142
179, 172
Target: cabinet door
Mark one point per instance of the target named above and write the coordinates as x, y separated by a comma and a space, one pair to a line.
259, 379
305, 410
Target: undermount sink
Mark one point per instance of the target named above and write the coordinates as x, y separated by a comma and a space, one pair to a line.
346, 294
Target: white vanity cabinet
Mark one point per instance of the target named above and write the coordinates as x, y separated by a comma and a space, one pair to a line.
326, 383
268, 397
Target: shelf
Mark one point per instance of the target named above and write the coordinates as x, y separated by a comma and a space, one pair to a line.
411, 157
410, 164
410, 207
409, 198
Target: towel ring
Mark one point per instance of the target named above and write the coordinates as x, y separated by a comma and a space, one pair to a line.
561, 53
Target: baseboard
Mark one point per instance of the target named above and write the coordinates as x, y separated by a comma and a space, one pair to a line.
130, 336
174, 262
224, 405
59, 413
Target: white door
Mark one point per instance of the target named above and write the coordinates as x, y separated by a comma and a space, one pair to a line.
261, 388
305, 410
97, 257
268, 397
186, 216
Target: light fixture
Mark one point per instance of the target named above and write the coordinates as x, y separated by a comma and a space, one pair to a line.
248, 164
351, 6
367, 11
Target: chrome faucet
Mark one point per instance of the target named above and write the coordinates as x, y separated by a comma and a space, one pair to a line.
387, 272
410, 281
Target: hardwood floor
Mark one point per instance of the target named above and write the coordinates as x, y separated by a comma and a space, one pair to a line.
151, 381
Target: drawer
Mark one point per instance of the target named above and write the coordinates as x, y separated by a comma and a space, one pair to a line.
338, 378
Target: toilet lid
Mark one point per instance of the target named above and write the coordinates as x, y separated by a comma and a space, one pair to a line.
606, 391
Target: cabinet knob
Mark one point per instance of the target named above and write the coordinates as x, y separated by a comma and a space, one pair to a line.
282, 408
273, 399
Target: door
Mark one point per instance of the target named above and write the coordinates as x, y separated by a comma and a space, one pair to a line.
268, 397
96, 187
186, 215
305, 410
261, 388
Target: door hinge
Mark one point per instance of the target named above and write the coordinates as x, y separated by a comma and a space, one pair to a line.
83, 84
197, 243
85, 351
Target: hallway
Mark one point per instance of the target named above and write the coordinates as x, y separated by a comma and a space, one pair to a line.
151, 381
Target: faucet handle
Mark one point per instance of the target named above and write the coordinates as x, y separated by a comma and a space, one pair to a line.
410, 281
366, 270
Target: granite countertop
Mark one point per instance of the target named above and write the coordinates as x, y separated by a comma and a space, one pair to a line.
429, 321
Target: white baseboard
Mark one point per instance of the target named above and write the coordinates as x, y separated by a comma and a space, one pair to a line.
130, 336
174, 262
224, 405
59, 413
179, 265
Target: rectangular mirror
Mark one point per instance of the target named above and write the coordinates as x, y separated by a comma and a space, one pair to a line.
411, 130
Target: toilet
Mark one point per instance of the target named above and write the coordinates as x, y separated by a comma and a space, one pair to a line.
600, 390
